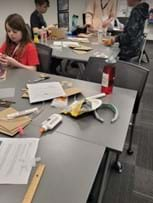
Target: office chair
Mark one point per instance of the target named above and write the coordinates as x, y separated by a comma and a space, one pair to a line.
71, 68
123, 20
128, 75
29, 30
142, 50
44, 54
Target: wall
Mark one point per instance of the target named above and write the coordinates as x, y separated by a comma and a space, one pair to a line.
149, 27
76, 7
24, 8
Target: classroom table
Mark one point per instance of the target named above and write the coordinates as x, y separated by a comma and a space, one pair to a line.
98, 50
83, 132
71, 167
110, 135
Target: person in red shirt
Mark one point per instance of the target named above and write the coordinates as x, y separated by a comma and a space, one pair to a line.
18, 50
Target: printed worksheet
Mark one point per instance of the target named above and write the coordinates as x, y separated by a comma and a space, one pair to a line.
45, 91
17, 157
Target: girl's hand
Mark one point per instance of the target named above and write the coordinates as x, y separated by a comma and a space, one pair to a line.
11, 61
3, 59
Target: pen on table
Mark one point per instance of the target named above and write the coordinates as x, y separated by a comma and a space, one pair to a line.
40, 79
22, 113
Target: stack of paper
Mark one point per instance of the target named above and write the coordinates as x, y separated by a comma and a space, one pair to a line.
11, 127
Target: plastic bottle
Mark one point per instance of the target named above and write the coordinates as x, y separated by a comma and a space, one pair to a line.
36, 39
108, 76
43, 35
100, 35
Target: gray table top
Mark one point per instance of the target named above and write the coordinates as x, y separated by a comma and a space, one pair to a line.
71, 167
86, 128
98, 50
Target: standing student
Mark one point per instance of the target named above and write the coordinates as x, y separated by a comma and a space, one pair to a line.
100, 13
18, 50
131, 39
36, 19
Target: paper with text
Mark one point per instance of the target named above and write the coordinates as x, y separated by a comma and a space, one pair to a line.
45, 91
16, 158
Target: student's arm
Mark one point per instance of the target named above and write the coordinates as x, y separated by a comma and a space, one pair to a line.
29, 59
34, 21
11, 62
131, 30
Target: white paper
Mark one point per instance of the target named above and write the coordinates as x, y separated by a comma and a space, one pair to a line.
45, 91
65, 43
16, 157
7, 93
79, 39
57, 43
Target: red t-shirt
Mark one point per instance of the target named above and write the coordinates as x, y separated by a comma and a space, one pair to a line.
29, 56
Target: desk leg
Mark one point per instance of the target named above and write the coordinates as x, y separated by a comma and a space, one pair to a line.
106, 173
99, 186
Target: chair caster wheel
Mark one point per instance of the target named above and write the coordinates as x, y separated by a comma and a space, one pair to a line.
118, 167
130, 151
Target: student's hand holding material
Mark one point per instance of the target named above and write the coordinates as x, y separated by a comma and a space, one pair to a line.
11, 62
3, 59
106, 23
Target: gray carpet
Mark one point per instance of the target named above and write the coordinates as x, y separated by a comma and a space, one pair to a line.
135, 184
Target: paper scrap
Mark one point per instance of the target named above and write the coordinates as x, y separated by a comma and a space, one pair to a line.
60, 102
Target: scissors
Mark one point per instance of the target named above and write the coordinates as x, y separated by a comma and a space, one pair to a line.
6, 103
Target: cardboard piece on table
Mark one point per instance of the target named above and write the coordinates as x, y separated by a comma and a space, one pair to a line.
62, 102
72, 91
25, 93
11, 127
80, 52
81, 48
57, 33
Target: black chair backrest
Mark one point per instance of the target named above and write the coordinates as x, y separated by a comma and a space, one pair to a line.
29, 30
127, 75
123, 20
45, 55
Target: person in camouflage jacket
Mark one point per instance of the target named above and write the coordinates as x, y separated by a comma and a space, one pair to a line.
131, 39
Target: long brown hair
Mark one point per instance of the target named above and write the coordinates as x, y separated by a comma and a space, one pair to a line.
16, 22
